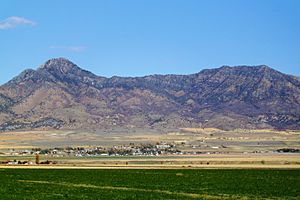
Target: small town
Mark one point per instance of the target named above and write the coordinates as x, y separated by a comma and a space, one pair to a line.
158, 149
121, 150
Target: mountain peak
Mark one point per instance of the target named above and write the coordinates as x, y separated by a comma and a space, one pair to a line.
62, 69
62, 64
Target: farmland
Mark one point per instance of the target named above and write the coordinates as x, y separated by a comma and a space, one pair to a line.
149, 184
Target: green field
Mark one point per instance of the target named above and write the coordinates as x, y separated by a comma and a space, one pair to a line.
149, 184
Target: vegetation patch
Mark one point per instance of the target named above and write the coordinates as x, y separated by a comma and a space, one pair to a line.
149, 184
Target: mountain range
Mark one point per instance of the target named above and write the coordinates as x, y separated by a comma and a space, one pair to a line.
61, 95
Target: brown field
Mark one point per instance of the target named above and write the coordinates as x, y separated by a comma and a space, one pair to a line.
186, 139
199, 161
221, 149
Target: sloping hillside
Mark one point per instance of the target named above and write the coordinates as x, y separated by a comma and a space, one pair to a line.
61, 95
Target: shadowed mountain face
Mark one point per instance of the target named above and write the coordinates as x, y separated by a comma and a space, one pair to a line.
59, 94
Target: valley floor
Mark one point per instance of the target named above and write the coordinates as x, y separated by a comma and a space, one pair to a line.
151, 148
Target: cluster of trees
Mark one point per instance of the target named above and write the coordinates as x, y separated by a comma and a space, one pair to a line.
288, 150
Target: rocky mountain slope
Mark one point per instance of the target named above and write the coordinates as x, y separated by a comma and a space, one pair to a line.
61, 95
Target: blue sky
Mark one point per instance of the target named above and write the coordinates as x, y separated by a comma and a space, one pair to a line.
141, 37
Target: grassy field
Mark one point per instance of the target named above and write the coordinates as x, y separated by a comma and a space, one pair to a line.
149, 184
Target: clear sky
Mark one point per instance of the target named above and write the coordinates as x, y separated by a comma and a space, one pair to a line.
141, 37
